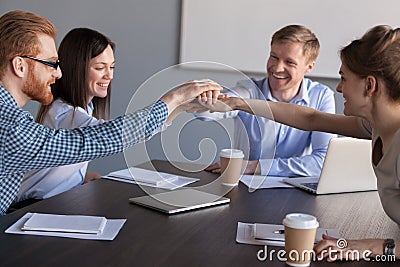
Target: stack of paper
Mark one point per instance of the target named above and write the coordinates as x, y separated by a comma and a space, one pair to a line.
150, 178
144, 176
72, 226
254, 182
65, 223
271, 234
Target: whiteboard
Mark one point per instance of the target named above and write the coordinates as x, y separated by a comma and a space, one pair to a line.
238, 32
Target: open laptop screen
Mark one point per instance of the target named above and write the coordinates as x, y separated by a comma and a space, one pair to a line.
347, 168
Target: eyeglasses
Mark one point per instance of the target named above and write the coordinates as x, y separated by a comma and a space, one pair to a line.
53, 64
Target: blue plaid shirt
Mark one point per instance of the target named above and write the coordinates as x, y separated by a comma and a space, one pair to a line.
26, 145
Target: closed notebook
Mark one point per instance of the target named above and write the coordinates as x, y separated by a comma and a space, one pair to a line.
65, 223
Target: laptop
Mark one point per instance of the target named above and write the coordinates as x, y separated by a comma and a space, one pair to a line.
173, 202
347, 168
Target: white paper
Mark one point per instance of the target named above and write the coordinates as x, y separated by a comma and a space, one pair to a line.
245, 235
268, 231
110, 231
65, 223
180, 181
144, 176
254, 182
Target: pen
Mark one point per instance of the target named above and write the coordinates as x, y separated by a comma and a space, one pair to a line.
279, 232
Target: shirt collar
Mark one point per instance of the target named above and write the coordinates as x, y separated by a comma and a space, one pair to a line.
6, 97
301, 96
90, 108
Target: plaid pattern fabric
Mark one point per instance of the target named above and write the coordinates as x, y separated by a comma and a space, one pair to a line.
26, 145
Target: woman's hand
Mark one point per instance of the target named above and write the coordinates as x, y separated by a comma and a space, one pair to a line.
333, 249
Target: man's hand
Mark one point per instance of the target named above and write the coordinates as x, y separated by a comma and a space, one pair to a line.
249, 166
224, 103
199, 106
206, 89
252, 167
214, 168
91, 176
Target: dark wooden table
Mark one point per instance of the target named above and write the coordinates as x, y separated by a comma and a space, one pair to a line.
197, 238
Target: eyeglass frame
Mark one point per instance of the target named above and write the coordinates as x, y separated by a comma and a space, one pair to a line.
53, 64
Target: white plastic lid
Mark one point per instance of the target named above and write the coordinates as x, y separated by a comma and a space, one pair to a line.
300, 221
231, 153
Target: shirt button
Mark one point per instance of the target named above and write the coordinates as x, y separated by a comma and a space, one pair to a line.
283, 132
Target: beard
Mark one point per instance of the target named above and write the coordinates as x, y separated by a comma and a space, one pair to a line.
37, 90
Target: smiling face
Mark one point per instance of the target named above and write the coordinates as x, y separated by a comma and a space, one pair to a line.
40, 76
286, 67
354, 90
100, 73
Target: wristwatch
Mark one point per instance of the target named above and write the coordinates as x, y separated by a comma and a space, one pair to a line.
389, 247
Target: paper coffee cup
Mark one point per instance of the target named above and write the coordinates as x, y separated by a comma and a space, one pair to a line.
231, 166
300, 230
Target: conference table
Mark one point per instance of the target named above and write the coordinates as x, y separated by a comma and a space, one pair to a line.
203, 237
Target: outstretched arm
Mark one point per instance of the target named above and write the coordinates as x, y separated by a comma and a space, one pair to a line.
304, 118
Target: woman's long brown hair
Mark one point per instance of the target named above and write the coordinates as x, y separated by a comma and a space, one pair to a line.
75, 51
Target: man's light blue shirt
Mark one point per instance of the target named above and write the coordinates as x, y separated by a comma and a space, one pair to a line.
281, 150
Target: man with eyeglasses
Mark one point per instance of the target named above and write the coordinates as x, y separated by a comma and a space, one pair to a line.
53, 64
28, 67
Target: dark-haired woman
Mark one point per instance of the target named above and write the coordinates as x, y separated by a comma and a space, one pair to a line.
81, 98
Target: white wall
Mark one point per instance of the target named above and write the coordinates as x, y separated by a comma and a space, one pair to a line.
244, 27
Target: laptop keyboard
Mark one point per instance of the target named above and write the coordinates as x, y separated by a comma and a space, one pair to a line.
311, 185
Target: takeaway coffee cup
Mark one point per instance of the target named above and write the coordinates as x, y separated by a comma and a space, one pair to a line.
300, 230
231, 166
